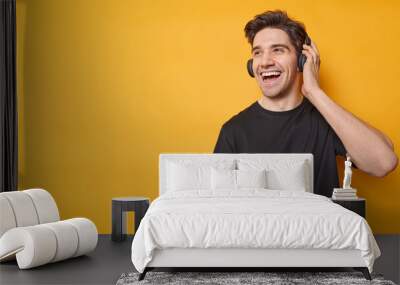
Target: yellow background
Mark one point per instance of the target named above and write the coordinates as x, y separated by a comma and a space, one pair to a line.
105, 86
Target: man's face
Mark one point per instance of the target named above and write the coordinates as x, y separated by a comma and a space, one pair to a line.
274, 62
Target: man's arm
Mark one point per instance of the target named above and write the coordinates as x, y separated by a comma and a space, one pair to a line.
368, 148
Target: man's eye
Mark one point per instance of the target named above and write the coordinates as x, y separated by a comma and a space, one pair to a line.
278, 49
257, 53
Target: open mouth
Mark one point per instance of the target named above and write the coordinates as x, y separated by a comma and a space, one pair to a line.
270, 77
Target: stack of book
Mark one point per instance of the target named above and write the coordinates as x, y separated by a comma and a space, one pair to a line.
344, 194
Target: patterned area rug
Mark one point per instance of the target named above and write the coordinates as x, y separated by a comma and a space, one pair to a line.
275, 278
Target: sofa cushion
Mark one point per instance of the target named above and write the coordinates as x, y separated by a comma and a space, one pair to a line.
23, 208
40, 244
7, 220
45, 205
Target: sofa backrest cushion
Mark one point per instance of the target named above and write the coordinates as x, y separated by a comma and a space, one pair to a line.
26, 208
45, 205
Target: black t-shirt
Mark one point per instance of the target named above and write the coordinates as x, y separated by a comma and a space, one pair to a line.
300, 130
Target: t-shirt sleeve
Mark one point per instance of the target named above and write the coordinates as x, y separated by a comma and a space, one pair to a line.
339, 147
225, 142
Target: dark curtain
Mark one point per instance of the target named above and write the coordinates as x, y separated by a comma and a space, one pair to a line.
8, 100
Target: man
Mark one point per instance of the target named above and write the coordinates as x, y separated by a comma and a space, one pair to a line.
294, 115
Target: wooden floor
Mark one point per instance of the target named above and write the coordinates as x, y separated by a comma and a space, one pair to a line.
111, 259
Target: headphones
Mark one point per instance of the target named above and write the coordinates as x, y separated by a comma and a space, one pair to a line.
301, 60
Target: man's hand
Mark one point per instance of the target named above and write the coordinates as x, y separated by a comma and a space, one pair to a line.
370, 149
310, 70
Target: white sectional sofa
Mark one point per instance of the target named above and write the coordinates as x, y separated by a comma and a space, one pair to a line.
31, 231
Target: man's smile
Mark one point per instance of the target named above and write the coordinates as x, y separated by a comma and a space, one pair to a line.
270, 77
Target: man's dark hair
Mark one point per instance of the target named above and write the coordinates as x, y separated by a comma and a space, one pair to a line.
279, 20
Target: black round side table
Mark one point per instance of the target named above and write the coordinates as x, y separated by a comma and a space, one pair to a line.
122, 205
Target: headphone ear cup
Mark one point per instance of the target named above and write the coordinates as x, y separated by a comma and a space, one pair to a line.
301, 61
250, 67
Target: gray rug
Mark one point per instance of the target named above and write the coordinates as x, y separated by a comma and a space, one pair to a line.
230, 278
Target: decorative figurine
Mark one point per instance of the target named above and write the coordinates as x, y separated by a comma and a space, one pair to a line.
347, 174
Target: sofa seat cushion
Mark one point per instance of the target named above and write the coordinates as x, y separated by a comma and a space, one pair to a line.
40, 244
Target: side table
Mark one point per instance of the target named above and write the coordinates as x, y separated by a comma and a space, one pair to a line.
356, 205
122, 205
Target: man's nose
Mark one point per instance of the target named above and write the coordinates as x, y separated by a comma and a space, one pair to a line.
267, 60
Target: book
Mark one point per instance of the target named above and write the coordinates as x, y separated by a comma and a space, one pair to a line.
344, 194
344, 191
346, 198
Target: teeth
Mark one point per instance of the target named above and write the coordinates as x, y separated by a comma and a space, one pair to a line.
270, 73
